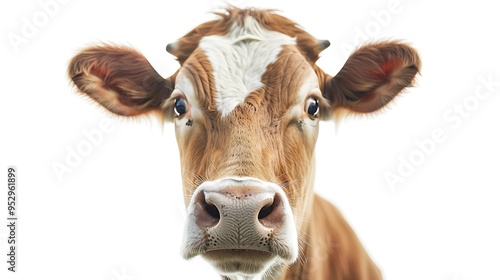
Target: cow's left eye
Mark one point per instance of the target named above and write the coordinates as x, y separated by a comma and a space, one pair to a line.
312, 107
180, 107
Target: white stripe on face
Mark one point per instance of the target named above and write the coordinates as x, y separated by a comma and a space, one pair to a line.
239, 60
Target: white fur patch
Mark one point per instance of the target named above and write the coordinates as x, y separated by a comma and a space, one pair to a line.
239, 60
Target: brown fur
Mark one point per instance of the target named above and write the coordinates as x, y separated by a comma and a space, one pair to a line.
260, 138
249, 141
333, 250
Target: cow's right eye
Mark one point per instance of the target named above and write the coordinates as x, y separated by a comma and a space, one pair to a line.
180, 107
312, 107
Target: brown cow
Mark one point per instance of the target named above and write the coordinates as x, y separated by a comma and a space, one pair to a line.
246, 104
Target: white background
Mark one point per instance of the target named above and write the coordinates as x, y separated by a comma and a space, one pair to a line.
118, 213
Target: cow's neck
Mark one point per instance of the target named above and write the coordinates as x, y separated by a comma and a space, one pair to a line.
330, 249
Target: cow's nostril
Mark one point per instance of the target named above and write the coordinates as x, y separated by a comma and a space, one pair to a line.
266, 210
207, 214
270, 215
211, 210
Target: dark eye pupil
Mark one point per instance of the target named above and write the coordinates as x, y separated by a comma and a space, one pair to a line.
312, 107
180, 107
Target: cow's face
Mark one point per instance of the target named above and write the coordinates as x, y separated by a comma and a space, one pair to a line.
246, 104
246, 113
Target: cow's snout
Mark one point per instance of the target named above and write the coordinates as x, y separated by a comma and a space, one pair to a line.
240, 222
254, 208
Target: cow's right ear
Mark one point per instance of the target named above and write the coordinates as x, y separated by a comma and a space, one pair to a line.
120, 79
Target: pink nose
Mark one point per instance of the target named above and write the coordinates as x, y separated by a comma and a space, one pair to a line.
234, 220
239, 208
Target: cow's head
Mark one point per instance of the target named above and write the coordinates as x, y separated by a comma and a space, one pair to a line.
246, 104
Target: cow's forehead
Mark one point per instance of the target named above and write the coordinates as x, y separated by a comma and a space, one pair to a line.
239, 62
239, 59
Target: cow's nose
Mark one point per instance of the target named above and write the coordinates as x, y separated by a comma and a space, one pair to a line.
240, 215
253, 208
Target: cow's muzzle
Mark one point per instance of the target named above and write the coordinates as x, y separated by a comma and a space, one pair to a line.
240, 225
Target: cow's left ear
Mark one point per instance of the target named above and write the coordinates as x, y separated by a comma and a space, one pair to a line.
372, 76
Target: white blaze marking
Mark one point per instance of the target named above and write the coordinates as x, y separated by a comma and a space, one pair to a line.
239, 60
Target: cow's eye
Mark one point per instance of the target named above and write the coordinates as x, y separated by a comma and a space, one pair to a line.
180, 107
312, 107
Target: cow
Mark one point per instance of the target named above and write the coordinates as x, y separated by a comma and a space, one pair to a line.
246, 104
